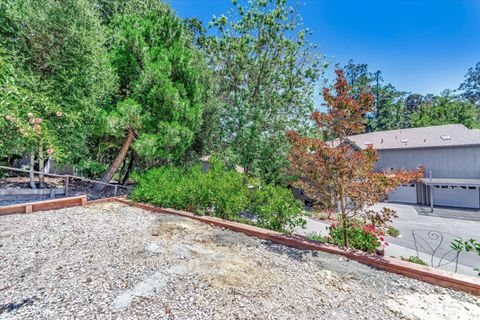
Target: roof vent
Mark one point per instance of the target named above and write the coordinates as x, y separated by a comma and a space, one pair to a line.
446, 137
368, 143
381, 141
404, 141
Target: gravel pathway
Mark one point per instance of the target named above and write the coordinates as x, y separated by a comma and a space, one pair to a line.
110, 261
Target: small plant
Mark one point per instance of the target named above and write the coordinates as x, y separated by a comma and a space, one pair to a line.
325, 214
393, 232
415, 259
460, 245
316, 237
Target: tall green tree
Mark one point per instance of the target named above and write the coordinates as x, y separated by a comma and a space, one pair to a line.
158, 106
471, 85
389, 110
359, 78
445, 109
61, 44
267, 68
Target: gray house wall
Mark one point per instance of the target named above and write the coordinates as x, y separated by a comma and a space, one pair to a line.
446, 162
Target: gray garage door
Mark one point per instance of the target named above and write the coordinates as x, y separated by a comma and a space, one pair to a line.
456, 196
406, 193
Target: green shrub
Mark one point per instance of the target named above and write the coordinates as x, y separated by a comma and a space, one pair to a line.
362, 237
393, 232
415, 259
276, 207
219, 192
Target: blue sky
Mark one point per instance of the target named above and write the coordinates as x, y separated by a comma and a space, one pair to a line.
421, 46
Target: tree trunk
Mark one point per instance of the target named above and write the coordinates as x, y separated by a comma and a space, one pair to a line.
32, 167
344, 217
117, 161
129, 168
41, 166
121, 173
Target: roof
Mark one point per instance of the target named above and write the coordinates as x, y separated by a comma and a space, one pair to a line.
446, 181
451, 135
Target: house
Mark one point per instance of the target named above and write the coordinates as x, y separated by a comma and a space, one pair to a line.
449, 153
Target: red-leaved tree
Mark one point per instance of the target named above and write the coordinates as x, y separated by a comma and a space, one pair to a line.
336, 171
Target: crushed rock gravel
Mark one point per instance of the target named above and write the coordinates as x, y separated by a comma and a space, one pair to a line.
110, 261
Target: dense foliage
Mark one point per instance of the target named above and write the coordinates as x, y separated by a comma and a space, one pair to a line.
159, 100
219, 192
59, 54
445, 109
267, 69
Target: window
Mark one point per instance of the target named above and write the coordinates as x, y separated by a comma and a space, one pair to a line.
444, 187
472, 188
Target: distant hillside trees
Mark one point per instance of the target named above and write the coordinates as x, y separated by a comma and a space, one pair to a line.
394, 109
445, 109
471, 86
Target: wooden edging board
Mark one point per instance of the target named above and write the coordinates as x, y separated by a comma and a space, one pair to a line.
415, 271
53, 204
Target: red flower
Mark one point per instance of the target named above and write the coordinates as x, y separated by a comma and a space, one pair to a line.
382, 239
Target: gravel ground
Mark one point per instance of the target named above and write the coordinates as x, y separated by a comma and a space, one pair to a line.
110, 261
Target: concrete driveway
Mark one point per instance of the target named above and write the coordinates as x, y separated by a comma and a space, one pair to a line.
408, 220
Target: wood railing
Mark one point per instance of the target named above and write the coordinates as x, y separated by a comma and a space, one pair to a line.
67, 178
